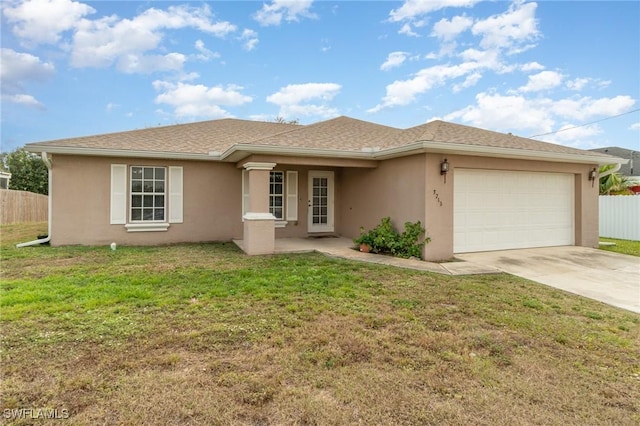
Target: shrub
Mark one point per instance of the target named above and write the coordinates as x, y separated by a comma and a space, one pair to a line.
384, 239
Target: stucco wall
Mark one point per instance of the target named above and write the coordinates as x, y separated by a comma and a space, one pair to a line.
406, 189
395, 189
81, 197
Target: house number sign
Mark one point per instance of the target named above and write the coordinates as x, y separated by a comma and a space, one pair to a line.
437, 197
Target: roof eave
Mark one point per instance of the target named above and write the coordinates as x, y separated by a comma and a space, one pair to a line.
105, 152
498, 152
239, 151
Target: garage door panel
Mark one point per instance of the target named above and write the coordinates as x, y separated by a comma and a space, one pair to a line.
496, 210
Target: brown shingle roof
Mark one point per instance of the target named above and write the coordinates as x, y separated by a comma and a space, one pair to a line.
193, 138
442, 131
338, 134
341, 133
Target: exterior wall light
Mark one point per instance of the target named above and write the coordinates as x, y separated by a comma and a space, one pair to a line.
593, 174
444, 168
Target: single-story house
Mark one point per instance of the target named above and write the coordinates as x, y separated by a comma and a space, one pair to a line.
5, 178
230, 179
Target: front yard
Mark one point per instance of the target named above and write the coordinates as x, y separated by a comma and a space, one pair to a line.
202, 334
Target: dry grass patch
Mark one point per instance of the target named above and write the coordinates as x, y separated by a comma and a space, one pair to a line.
202, 334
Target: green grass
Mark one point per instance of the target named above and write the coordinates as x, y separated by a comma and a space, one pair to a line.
202, 334
622, 246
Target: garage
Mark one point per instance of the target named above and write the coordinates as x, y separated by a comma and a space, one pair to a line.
499, 210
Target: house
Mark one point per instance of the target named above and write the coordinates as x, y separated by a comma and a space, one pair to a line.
5, 178
230, 179
632, 168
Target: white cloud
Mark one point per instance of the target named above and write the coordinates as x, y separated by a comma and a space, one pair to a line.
205, 54
17, 69
146, 64
507, 33
469, 81
111, 106
544, 80
448, 30
197, 100
261, 117
289, 10
23, 99
100, 43
42, 21
499, 112
413, 8
525, 116
531, 66
578, 137
250, 39
635, 126
407, 30
403, 92
309, 99
394, 59
586, 108
509, 30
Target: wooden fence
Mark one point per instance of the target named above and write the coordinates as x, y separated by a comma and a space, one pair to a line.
22, 206
620, 217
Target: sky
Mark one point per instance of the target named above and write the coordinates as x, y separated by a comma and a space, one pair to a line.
566, 72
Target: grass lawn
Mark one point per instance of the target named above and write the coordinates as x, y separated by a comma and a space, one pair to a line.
202, 334
622, 246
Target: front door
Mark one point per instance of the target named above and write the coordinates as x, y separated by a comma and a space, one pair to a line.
320, 201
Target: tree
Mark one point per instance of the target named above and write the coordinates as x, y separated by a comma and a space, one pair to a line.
283, 120
613, 183
28, 171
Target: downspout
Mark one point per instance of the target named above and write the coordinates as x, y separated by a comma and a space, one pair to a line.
47, 162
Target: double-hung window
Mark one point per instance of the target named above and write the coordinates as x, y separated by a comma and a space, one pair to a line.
276, 194
148, 200
283, 195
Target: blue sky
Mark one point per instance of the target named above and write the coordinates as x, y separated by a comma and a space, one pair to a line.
73, 68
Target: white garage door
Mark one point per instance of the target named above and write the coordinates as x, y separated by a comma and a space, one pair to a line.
498, 210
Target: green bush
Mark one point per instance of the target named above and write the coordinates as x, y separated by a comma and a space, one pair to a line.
384, 239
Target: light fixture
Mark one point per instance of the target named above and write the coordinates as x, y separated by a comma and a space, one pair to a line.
444, 168
592, 176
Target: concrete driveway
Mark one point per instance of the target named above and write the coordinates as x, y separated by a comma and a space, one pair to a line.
611, 278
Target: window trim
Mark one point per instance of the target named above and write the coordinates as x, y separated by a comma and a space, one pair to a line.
281, 195
153, 194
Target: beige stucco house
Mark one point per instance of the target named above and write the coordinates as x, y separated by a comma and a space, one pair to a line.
254, 181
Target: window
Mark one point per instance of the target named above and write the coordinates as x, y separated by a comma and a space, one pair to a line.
283, 200
276, 194
146, 199
148, 194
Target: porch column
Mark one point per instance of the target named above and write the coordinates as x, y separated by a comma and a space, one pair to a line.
259, 225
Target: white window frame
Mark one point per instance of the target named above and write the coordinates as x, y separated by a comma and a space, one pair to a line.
273, 196
153, 194
289, 196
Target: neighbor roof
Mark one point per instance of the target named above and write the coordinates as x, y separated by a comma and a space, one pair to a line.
632, 168
234, 139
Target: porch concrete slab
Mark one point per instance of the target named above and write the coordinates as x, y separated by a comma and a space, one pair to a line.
609, 277
341, 247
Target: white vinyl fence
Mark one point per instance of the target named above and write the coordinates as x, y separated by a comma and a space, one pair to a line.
620, 217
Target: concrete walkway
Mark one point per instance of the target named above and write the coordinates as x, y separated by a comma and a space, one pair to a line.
609, 277
343, 248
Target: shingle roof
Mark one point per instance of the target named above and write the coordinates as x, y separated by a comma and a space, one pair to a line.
194, 138
343, 134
